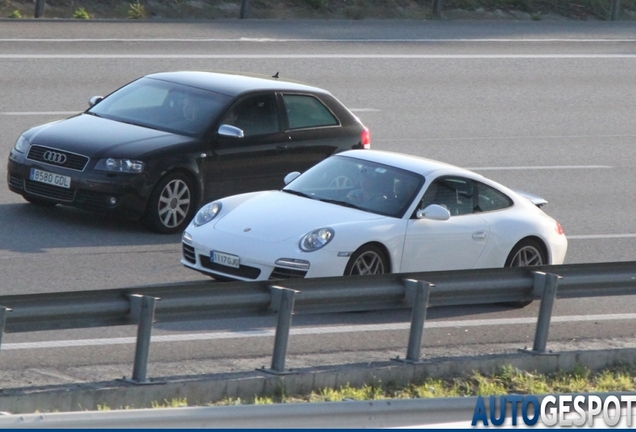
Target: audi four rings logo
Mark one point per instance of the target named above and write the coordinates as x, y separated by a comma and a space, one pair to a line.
53, 157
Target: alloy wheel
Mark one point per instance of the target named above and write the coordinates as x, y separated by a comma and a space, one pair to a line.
174, 203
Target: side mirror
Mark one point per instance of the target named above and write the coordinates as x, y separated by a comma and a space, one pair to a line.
434, 212
291, 177
95, 100
230, 131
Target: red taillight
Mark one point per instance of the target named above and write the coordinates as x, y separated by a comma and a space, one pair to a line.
365, 139
558, 229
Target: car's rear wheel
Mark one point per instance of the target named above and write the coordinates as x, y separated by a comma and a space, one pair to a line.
527, 252
368, 260
43, 202
171, 204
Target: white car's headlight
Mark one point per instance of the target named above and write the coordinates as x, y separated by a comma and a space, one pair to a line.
120, 165
316, 239
207, 213
21, 145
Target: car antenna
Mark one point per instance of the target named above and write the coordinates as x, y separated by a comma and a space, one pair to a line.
275, 75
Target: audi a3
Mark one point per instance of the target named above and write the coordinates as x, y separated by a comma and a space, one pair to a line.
160, 146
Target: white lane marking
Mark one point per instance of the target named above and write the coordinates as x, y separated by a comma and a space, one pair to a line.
36, 113
490, 138
313, 331
248, 39
599, 236
318, 56
539, 167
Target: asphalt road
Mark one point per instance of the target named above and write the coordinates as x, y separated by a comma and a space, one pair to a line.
542, 106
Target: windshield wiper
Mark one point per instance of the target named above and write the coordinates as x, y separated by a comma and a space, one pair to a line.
342, 203
301, 194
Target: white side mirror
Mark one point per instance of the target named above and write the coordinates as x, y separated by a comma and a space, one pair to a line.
434, 212
291, 177
94, 100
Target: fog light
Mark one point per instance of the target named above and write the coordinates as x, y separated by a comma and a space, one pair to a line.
293, 263
112, 201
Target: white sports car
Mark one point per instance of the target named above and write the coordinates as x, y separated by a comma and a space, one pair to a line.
368, 212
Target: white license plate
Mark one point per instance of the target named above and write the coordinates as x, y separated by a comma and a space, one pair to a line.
50, 178
224, 259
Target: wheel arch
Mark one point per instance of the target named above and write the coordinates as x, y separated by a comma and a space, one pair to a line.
194, 179
382, 248
541, 242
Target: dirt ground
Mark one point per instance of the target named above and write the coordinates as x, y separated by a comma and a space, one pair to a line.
296, 9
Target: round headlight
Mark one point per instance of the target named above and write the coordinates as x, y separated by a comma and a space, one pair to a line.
316, 239
207, 213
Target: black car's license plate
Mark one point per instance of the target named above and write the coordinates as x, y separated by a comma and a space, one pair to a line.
50, 178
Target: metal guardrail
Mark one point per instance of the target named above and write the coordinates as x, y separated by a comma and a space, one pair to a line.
418, 291
322, 415
450, 412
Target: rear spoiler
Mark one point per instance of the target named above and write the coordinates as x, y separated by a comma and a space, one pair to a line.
534, 199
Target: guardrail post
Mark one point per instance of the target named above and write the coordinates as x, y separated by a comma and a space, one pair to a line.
615, 9
142, 310
550, 282
437, 8
39, 9
283, 303
3, 316
244, 5
418, 316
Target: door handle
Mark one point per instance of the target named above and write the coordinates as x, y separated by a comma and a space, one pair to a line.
281, 147
479, 235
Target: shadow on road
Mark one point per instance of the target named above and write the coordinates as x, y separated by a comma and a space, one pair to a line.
27, 228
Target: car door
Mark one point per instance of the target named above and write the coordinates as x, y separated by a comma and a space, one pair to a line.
453, 244
313, 130
256, 161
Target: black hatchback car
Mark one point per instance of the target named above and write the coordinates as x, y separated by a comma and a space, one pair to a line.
161, 146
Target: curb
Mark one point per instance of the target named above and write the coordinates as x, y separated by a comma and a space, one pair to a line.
208, 389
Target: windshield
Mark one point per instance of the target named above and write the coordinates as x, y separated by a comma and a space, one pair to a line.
365, 185
162, 105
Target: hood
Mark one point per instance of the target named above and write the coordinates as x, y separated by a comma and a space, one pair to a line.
98, 137
276, 216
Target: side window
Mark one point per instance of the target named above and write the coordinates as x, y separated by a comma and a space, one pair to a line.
454, 193
255, 115
490, 199
307, 112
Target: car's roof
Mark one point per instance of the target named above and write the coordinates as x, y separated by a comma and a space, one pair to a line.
231, 84
407, 162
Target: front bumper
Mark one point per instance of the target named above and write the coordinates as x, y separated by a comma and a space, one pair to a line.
258, 259
90, 189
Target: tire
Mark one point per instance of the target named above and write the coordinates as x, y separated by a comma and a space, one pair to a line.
367, 260
171, 204
42, 202
527, 252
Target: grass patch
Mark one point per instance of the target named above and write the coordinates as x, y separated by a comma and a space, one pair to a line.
508, 380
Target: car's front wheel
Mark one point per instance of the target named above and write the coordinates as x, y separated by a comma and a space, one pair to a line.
368, 260
527, 252
171, 204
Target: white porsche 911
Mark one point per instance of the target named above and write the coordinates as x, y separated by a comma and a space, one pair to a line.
369, 212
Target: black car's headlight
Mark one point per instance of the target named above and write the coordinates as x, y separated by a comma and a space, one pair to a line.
120, 165
207, 213
21, 145
316, 239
